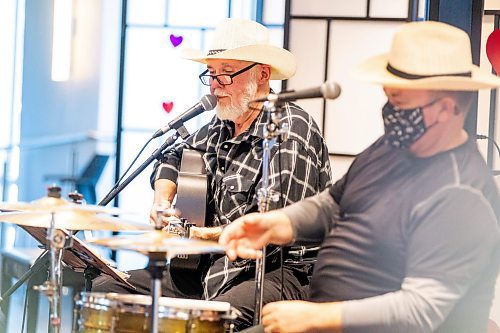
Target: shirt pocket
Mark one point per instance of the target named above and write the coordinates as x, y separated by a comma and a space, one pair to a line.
240, 192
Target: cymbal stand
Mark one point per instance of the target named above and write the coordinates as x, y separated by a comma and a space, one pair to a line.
271, 132
56, 240
156, 267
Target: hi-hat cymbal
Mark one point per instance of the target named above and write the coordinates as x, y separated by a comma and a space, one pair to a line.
160, 241
73, 220
51, 204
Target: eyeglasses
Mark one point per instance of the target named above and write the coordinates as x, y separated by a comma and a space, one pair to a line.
223, 79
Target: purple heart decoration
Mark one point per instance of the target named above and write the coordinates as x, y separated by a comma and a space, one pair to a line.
176, 40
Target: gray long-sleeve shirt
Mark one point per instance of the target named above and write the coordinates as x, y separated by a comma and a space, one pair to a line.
409, 244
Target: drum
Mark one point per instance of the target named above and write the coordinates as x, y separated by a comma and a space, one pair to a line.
120, 313
93, 313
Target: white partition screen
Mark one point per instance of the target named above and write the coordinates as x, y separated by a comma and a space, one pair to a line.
329, 38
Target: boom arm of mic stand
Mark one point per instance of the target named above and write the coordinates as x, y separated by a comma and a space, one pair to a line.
156, 154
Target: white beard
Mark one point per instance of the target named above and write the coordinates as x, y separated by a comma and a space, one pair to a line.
237, 108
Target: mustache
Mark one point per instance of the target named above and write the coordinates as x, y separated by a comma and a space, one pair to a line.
219, 93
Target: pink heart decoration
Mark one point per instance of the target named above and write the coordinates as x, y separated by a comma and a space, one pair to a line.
493, 50
168, 106
176, 40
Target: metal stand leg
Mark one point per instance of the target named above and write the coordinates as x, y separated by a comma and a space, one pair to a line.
52, 288
156, 267
271, 132
33, 300
40, 263
260, 265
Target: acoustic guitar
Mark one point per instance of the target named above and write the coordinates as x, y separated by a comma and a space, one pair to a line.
192, 202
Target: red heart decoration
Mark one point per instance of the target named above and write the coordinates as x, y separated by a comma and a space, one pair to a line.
168, 106
493, 50
176, 40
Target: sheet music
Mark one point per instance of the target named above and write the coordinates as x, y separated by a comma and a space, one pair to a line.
79, 256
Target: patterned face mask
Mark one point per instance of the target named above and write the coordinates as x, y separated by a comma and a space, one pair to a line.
403, 127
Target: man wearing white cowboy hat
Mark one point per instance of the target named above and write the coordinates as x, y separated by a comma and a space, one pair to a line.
240, 63
410, 235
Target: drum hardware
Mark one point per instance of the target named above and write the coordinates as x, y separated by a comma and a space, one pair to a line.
52, 287
303, 258
180, 227
76, 198
191, 262
272, 131
304, 254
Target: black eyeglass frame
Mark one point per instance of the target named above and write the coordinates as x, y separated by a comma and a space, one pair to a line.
216, 77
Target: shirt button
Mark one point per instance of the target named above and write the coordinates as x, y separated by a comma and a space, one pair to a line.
231, 187
225, 146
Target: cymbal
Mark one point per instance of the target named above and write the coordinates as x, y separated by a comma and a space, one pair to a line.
160, 241
45, 203
73, 220
51, 204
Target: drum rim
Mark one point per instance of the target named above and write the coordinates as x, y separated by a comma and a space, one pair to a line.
171, 302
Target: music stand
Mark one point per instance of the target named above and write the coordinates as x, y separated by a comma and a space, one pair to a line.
79, 257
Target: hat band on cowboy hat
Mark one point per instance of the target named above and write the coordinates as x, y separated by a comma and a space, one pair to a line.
212, 52
241, 39
410, 76
427, 55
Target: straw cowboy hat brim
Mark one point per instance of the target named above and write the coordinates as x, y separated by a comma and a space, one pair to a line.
374, 70
427, 55
282, 62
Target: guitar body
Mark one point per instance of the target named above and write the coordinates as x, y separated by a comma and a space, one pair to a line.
192, 188
192, 203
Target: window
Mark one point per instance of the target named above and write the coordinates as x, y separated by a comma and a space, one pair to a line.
158, 85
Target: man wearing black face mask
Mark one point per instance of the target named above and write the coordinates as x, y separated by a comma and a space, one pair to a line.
410, 235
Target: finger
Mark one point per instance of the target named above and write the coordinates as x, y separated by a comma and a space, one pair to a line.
231, 250
269, 324
246, 252
231, 232
165, 221
267, 309
152, 220
231, 254
195, 233
261, 241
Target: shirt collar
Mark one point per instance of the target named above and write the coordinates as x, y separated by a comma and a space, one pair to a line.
256, 129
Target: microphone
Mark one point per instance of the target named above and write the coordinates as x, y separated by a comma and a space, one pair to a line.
328, 90
207, 103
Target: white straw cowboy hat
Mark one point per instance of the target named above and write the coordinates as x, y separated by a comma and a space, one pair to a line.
240, 39
427, 55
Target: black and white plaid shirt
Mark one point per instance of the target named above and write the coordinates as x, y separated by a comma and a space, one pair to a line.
234, 171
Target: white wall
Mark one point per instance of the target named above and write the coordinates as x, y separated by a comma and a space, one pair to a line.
66, 111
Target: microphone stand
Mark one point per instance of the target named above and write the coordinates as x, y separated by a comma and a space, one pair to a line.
271, 132
180, 131
157, 261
